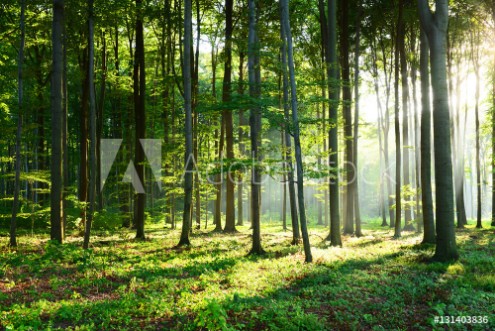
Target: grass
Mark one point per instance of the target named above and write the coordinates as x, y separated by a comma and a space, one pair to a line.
372, 283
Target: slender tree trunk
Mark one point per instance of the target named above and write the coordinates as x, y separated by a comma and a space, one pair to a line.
227, 114
255, 124
333, 143
357, 212
401, 36
92, 126
186, 74
284, 183
379, 132
435, 26
99, 117
296, 236
347, 99
416, 136
297, 143
65, 127
56, 201
195, 93
84, 129
386, 127
398, 198
242, 148
426, 195
475, 59
219, 180
17, 184
139, 115
478, 161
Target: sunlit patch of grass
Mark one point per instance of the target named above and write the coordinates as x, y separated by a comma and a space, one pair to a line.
372, 282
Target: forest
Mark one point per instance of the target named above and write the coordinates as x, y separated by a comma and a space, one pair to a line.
247, 165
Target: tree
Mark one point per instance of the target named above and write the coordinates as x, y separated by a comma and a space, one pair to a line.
140, 118
56, 194
227, 115
475, 58
17, 184
435, 26
186, 76
401, 40
333, 143
255, 126
347, 114
398, 200
296, 235
426, 195
297, 142
357, 212
92, 125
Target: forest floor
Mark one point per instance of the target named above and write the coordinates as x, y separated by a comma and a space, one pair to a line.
372, 283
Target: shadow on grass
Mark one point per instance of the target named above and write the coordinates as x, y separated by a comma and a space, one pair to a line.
393, 291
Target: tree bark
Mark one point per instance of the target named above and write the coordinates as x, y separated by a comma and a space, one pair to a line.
475, 59
398, 199
296, 235
242, 148
379, 132
140, 118
92, 126
357, 212
227, 114
347, 115
255, 126
17, 183
435, 26
56, 199
401, 36
186, 75
297, 143
333, 142
426, 195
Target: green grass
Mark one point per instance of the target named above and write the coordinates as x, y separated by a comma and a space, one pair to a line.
372, 283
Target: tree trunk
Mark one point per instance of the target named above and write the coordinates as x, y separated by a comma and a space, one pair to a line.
333, 142
435, 26
56, 199
379, 132
99, 117
242, 148
357, 212
297, 143
219, 180
17, 184
347, 100
426, 195
65, 127
186, 74
92, 126
255, 125
398, 199
227, 114
401, 36
296, 236
475, 59
140, 118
